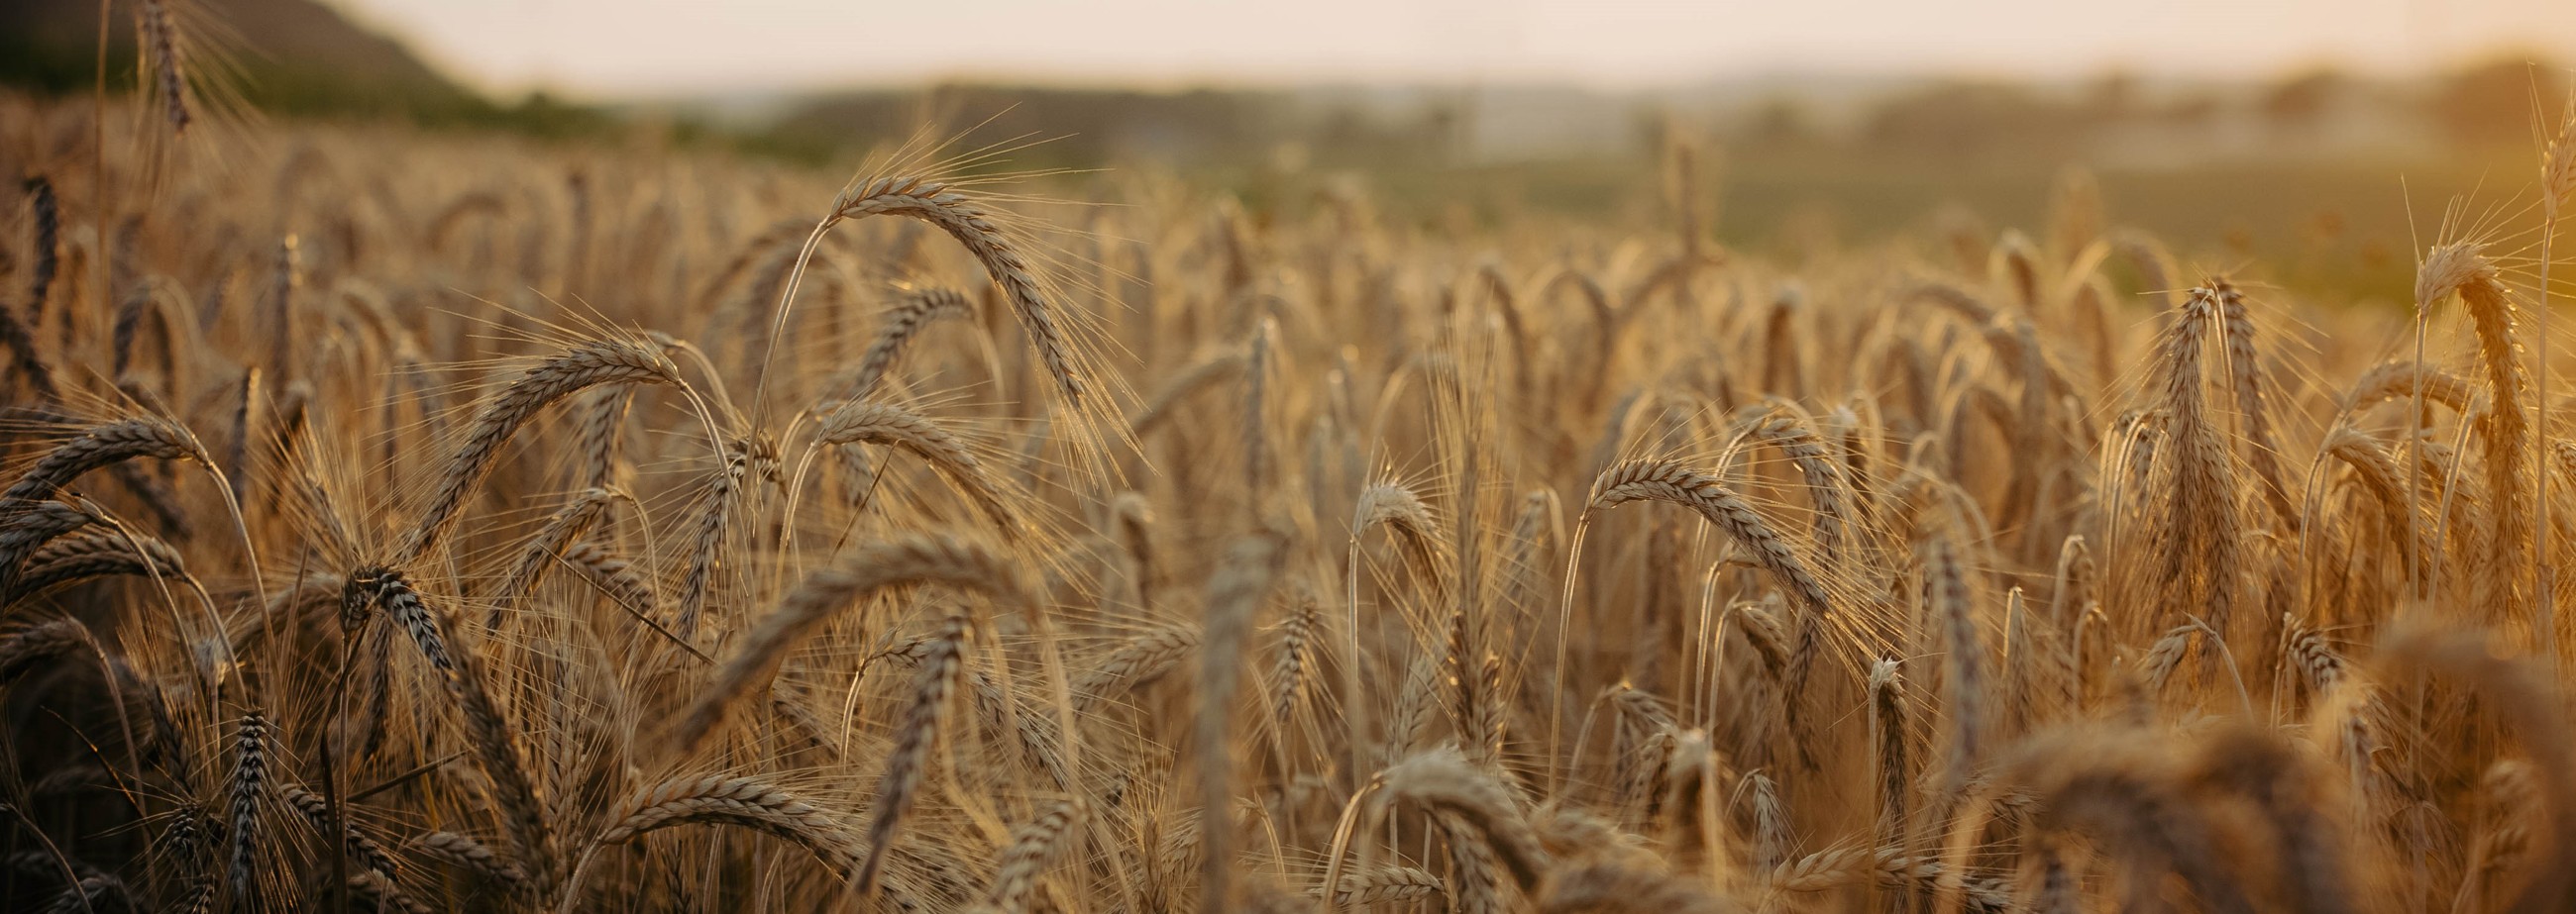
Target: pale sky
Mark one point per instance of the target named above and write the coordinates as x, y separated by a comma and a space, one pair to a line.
609, 48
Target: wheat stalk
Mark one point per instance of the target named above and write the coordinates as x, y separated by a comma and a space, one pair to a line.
1235, 593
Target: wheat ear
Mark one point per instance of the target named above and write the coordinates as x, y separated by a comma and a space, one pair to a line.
472, 854
356, 843
86, 554
538, 556
583, 366
900, 785
495, 742
21, 651
249, 785
1442, 781
2200, 554
26, 526
887, 424
912, 312
973, 227
1135, 663
101, 446
867, 569
1033, 846
729, 801
1963, 661
728, 486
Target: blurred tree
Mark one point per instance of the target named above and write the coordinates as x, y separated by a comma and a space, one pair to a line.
2302, 101
1992, 122
1779, 121
2114, 95
2494, 103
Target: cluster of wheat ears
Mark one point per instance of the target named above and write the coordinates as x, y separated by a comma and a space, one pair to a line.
406, 522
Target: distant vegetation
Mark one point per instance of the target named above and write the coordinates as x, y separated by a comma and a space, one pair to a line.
2322, 173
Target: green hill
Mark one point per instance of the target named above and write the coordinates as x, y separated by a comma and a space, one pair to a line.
294, 56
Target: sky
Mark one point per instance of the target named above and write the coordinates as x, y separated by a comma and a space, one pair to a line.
643, 48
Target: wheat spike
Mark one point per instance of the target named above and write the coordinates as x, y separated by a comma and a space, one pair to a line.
578, 368
874, 567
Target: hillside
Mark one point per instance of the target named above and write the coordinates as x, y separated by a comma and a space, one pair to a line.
298, 56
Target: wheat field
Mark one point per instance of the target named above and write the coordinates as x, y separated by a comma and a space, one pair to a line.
405, 522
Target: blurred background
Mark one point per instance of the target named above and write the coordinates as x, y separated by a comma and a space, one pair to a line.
2323, 137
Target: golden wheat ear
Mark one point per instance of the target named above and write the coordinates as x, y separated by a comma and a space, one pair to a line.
916, 560
589, 364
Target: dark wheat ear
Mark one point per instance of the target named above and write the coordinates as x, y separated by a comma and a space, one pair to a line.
18, 330
249, 787
23, 650
496, 744
361, 848
46, 210
162, 46
91, 553
25, 528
